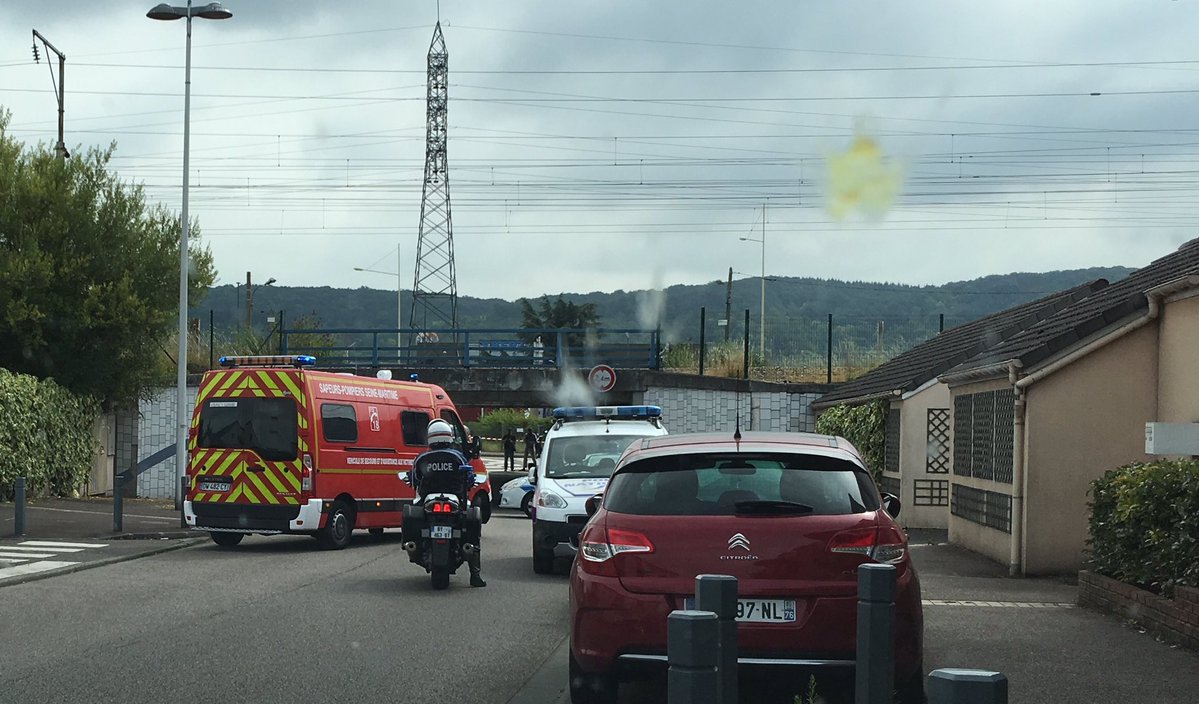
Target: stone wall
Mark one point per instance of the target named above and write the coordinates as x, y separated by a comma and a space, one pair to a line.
156, 431
686, 410
1174, 620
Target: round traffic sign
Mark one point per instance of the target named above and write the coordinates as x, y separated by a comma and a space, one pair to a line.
602, 378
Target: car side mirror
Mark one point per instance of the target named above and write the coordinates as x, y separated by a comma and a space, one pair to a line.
403, 475
533, 475
592, 505
891, 505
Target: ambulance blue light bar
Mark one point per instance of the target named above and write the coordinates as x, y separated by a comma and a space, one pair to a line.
268, 360
607, 412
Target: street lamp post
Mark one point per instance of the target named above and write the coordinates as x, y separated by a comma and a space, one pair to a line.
762, 311
211, 11
399, 274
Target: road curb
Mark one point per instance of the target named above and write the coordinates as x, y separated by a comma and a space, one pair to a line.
174, 545
163, 535
548, 684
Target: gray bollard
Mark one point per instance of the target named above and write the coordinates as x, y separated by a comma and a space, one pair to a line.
19, 508
183, 493
692, 639
118, 503
952, 686
718, 593
875, 671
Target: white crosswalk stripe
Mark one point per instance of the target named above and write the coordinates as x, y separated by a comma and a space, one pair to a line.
32, 556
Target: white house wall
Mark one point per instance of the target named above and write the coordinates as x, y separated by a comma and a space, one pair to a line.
914, 453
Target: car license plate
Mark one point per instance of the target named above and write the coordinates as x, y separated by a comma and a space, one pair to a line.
214, 485
760, 610
441, 532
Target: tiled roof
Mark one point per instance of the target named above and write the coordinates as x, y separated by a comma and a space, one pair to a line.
925, 361
1090, 315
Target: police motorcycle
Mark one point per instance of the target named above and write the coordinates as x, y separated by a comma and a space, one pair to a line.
440, 529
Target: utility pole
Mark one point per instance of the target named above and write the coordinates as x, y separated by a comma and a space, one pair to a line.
762, 323
60, 89
728, 306
249, 300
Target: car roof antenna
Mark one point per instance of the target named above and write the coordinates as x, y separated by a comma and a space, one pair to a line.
737, 429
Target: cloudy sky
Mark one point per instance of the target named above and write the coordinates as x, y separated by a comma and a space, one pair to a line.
628, 144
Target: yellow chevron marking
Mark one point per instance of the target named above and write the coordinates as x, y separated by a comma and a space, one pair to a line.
293, 477
291, 386
232, 377
275, 482
262, 492
224, 465
199, 496
267, 381
233, 495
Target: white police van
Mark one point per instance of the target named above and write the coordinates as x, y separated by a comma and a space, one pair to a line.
579, 455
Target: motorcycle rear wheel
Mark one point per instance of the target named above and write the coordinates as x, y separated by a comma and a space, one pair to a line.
440, 577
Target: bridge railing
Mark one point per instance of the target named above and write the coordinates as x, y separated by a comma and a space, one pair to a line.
630, 348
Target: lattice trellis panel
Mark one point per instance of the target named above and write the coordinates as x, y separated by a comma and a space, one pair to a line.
982, 448
931, 492
937, 441
1005, 414
963, 434
891, 442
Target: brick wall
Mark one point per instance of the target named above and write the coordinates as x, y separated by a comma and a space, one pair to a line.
1173, 620
699, 410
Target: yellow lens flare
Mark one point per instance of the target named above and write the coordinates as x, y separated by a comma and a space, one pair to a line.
862, 180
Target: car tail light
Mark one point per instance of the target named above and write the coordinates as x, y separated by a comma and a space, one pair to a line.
306, 473
598, 546
881, 544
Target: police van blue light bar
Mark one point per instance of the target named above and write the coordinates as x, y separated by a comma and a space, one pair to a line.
607, 412
268, 360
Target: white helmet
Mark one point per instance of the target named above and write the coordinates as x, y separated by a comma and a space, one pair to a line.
440, 433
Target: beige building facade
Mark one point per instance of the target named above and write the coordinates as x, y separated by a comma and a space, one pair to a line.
1037, 420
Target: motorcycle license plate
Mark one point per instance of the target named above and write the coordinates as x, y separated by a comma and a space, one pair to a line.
760, 610
214, 485
441, 532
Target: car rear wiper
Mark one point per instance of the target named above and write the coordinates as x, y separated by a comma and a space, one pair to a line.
772, 507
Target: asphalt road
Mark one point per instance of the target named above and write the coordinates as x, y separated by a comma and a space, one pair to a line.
277, 619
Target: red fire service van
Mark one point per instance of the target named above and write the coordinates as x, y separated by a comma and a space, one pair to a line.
275, 447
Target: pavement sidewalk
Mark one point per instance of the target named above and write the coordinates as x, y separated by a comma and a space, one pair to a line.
67, 535
977, 617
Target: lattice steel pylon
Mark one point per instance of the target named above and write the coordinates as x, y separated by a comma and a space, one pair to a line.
435, 288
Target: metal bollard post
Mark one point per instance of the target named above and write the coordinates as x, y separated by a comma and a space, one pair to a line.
183, 497
718, 593
875, 671
118, 503
691, 649
952, 686
19, 508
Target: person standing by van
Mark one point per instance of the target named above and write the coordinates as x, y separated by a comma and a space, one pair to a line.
530, 447
509, 451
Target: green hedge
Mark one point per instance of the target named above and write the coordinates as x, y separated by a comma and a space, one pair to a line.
1145, 524
45, 435
864, 426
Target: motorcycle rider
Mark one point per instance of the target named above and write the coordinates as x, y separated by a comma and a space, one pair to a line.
444, 462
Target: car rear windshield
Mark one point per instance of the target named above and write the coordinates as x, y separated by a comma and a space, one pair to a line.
729, 483
585, 455
266, 426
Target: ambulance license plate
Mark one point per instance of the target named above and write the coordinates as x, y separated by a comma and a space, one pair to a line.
760, 610
441, 532
214, 485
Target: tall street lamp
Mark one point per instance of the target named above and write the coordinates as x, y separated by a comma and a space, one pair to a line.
399, 289
211, 11
762, 323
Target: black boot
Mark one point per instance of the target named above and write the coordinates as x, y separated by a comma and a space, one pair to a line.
476, 573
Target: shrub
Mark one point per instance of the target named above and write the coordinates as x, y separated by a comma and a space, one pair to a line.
1144, 526
45, 435
864, 426
496, 422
